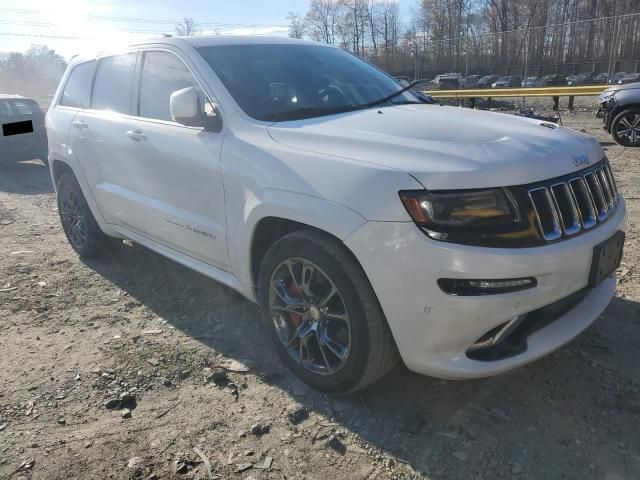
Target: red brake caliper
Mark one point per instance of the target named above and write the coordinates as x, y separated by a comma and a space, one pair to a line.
294, 291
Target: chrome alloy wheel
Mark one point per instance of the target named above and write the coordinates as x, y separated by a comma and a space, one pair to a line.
629, 128
310, 316
73, 218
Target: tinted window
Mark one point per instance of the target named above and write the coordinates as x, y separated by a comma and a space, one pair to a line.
112, 86
78, 88
23, 108
162, 74
5, 111
284, 82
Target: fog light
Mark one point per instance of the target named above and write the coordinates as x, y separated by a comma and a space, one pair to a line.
456, 286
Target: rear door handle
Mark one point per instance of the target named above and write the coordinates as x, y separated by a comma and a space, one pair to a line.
136, 135
80, 124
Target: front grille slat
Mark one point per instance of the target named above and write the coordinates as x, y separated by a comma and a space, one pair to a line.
546, 213
584, 202
612, 181
606, 188
565, 208
597, 194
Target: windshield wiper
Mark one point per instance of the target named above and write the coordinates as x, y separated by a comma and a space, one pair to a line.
390, 97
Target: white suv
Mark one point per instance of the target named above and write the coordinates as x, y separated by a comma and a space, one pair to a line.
364, 221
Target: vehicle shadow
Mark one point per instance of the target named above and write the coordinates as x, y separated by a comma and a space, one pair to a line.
552, 409
27, 178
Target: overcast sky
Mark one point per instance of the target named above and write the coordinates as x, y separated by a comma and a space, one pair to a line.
77, 26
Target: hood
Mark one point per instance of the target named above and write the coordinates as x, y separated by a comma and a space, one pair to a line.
446, 147
625, 86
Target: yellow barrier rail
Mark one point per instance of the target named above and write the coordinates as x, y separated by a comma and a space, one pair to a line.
580, 91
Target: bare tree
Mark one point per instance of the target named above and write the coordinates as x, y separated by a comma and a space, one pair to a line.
187, 27
390, 23
514, 37
322, 18
297, 25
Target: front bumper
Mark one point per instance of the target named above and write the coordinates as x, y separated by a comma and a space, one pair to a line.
434, 330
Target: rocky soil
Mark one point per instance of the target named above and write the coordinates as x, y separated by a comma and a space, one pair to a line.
133, 367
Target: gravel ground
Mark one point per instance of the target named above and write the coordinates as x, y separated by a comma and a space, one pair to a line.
127, 366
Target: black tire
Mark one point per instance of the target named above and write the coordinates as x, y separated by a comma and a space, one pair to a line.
373, 352
621, 123
81, 229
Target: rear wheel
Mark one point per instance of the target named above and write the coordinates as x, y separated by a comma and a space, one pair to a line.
323, 315
625, 128
79, 225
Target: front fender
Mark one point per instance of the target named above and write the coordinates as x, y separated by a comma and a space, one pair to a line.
330, 217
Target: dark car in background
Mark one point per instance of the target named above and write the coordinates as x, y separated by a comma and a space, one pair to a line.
449, 81
487, 81
554, 79
508, 81
601, 78
620, 111
471, 81
582, 79
23, 133
615, 77
533, 81
630, 78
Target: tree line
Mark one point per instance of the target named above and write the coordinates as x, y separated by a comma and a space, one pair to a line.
34, 73
480, 36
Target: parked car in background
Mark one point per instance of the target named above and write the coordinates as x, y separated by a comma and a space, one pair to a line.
23, 133
630, 78
368, 225
487, 81
620, 110
449, 81
582, 79
601, 78
615, 77
533, 82
508, 81
471, 81
554, 79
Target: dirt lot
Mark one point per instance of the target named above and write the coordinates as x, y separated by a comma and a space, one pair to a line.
138, 328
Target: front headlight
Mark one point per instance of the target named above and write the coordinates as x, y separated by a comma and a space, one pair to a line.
444, 211
606, 96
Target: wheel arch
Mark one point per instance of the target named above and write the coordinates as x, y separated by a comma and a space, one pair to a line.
281, 214
270, 229
621, 108
58, 167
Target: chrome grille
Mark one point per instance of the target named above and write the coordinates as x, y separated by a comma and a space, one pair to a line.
567, 207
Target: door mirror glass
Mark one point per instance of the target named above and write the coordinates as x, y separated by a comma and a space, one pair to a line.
188, 108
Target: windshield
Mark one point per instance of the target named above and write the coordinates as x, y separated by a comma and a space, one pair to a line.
279, 82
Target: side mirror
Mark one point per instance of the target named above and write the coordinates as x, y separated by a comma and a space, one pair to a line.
186, 108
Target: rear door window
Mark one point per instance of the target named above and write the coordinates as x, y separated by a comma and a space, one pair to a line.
112, 85
77, 90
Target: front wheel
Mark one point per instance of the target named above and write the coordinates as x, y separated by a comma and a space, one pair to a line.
323, 315
625, 128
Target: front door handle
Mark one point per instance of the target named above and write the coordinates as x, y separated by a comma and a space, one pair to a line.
80, 124
136, 135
